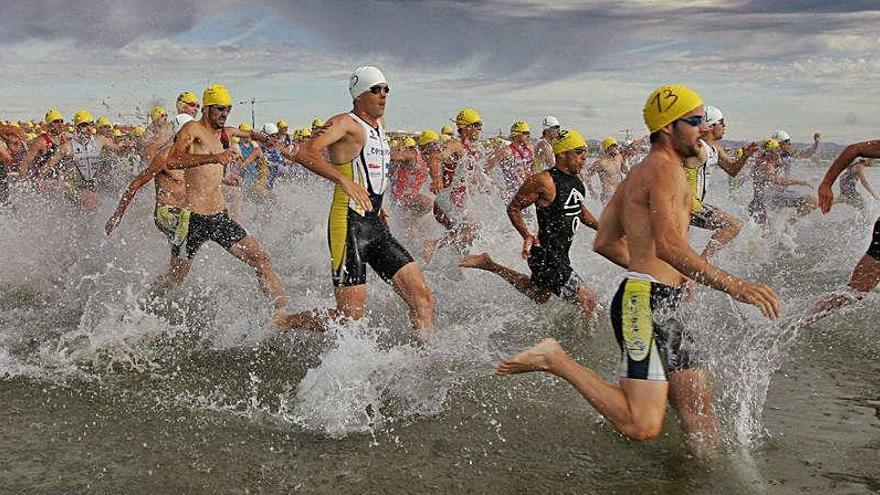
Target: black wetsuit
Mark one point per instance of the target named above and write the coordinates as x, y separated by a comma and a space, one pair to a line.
557, 224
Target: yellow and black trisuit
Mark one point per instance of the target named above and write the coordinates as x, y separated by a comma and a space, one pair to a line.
358, 237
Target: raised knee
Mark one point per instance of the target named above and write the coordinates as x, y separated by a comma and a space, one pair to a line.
644, 432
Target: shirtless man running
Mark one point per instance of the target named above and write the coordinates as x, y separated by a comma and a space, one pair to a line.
558, 196
201, 149
610, 168
866, 273
544, 157
644, 229
358, 229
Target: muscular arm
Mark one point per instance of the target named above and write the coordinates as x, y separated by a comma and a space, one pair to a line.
731, 165
866, 149
588, 219
310, 157
181, 158
610, 241
38, 146
144, 177
666, 197
538, 188
434, 168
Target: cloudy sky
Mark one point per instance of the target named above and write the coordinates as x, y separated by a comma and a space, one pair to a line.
802, 65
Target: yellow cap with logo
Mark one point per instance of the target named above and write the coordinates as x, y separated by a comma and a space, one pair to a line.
157, 113
467, 116
667, 104
244, 126
281, 123
217, 94
428, 136
188, 98
568, 140
770, 144
317, 123
82, 117
519, 126
52, 115
608, 142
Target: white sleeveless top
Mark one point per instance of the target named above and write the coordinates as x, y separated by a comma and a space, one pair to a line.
370, 166
86, 155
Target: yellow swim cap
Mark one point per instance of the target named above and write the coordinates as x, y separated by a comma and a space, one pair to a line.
138, 131
117, 133
519, 126
409, 142
281, 123
608, 142
445, 138
52, 115
188, 98
157, 113
428, 136
30, 136
568, 140
103, 122
467, 116
217, 94
770, 144
667, 103
447, 130
235, 139
244, 126
303, 132
317, 123
82, 117
393, 143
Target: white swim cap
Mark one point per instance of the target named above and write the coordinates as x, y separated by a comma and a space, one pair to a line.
550, 121
270, 128
364, 78
713, 115
781, 135
179, 121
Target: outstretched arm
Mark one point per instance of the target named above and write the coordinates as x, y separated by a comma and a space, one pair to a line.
731, 165
866, 149
144, 177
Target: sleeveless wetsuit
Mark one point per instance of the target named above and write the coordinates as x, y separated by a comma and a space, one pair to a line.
358, 237
86, 156
515, 170
557, 224
701, 213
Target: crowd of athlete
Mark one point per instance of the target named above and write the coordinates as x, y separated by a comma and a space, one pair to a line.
203, 169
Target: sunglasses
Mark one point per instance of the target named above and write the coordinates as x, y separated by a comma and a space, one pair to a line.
84, 124
694, 120
476, 125
580, 151
785, 141
380, 89
193, 105
221, 108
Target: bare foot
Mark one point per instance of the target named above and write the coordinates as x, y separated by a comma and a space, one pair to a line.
535, 358
481, 260
306, 320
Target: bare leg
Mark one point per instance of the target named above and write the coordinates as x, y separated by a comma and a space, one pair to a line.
726, 228
250, 251
864, 278
350, 302
586, 300
519, 281
409, 283
636, 408
178, 269
691, 396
